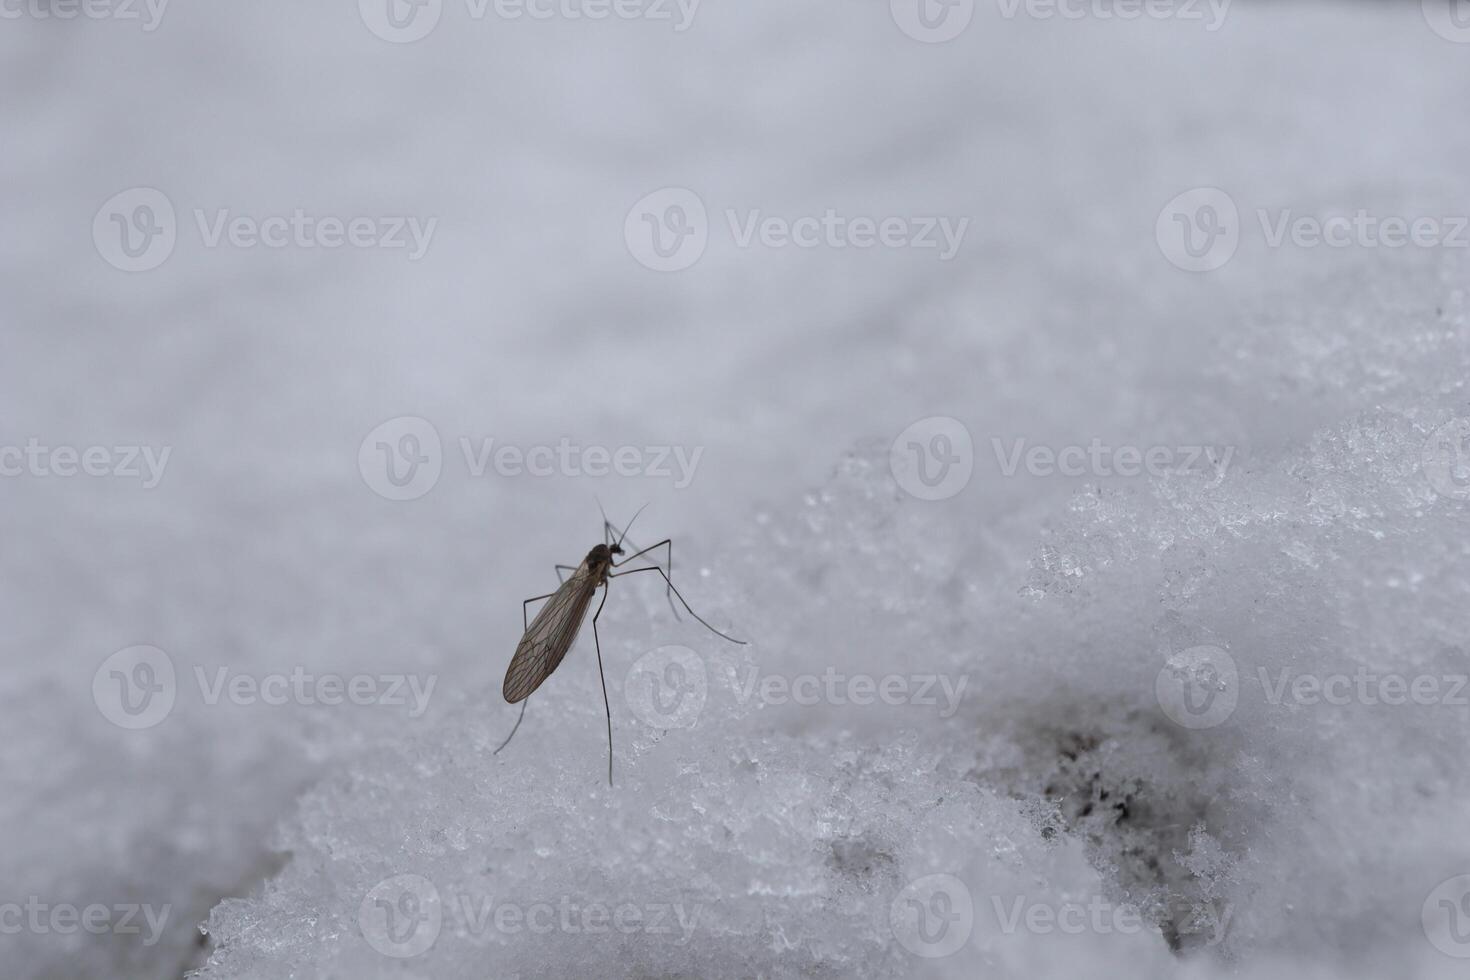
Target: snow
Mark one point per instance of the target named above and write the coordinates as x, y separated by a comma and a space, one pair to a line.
1044, 725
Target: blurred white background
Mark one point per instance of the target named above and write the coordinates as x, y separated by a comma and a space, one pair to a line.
529, 319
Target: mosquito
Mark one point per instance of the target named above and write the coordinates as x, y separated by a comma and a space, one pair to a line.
550, 635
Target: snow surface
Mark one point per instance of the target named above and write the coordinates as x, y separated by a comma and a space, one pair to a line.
770, 839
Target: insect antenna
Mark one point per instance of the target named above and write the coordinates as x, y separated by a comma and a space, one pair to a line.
629, 525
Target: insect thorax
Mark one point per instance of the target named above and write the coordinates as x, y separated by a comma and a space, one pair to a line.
598, 561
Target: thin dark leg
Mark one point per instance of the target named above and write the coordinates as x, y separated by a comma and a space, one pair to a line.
656, 568
606, 707
533, 598
643, 551
515, 729
559, 568
638, 552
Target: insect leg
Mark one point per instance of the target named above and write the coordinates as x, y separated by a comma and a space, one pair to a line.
643, 551
606, 707
559, 569
656, 568
638, 552
534, 598
516, 729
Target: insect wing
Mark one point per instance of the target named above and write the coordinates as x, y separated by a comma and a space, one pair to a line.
549, 636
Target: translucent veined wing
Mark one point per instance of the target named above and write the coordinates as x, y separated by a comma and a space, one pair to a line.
549, 636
